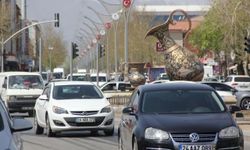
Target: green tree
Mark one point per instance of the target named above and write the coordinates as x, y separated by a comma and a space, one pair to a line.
223, 29
5, 29
54, 45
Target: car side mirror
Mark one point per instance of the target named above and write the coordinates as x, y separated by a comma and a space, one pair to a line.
233, 109
128, 110
43, 97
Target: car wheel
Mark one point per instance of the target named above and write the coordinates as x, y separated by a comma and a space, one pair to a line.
245, 104
109, 132
37, 127
120, 143
48, 129
135, 144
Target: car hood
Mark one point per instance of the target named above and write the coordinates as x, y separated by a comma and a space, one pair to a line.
182, 123
81, 104
18, 92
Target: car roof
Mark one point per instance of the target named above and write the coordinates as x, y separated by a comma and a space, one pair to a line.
175, 85
19, 73
73, 83
238, 76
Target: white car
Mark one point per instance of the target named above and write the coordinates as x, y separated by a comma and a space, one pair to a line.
117, 88
239, 82
73, 105
225, 91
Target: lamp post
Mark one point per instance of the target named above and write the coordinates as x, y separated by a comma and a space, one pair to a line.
127, 5
3, 42
50, 50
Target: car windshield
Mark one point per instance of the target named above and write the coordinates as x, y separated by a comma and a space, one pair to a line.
78, 78
25, 82
76, 92
179, 101
242, 79
101, 79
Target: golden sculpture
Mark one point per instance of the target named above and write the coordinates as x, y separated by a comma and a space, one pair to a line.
181, 64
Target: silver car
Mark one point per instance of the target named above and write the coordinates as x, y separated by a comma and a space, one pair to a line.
8, 128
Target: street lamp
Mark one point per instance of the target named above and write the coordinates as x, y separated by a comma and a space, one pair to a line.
127, 5
50, 50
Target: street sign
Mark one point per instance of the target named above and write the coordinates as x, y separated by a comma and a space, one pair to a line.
126, 3
115, 16
107, 25
159, 47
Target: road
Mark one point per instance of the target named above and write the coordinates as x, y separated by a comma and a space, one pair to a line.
76, 141
69, 140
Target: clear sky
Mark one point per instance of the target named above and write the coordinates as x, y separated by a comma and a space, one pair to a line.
72, 12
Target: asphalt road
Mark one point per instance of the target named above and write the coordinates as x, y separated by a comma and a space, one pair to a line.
69, 141
76, 141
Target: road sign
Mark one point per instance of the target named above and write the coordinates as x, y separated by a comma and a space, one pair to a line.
126, 3
159, 47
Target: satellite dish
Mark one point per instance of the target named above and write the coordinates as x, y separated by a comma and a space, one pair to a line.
115, 16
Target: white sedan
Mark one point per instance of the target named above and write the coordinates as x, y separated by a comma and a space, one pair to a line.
73, 105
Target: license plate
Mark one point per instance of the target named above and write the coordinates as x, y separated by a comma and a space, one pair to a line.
84, 120
196, 147
27, 108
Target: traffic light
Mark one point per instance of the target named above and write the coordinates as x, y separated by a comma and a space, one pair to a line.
247, 44
75, 50
57, 23
101, 50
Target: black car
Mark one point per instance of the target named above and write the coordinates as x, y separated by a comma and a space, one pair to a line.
178, 116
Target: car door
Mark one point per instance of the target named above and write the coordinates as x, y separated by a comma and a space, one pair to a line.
41, 105
128, 121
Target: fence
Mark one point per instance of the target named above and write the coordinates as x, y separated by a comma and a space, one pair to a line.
119, 100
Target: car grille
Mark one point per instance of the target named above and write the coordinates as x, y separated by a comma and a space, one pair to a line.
203, 137
26, 98
72, 121
84, 113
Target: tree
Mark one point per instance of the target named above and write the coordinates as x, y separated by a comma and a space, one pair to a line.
224, 28
58, 53
5, 29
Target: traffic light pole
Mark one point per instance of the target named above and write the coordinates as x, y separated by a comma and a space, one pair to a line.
71, 62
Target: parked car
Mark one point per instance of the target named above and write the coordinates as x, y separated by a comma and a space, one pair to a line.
10, 139
19, 90
158, 81
214, 79
73, 105
78, 77
101, 80
116, 88
240, 82
225, 91
243, 99
178, 116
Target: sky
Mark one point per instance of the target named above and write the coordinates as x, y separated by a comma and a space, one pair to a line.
72, 12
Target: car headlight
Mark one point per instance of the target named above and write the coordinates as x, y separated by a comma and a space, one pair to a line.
106, 109
59, 110
230, 132
156, 134
12, 98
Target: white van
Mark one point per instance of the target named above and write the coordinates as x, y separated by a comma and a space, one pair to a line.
19, 90
102, 78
